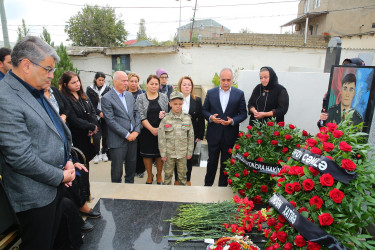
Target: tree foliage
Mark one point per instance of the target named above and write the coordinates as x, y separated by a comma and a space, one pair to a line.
22, 31
96, 26
46, 36
141, 34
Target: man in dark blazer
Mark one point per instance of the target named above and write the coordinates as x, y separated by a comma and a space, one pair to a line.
34, 144
124, 125
224, 108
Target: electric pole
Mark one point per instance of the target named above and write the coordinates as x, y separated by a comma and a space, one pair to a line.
4, 24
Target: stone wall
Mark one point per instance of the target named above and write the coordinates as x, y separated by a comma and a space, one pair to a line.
269, 40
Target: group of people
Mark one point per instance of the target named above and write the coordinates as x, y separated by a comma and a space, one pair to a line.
43, 175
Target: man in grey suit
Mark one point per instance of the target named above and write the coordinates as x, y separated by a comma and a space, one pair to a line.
124, 124
34, 144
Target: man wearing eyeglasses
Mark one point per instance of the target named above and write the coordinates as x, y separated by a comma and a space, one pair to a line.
34, 144
124, 125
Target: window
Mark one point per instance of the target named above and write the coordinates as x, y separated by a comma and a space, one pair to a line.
306, 7
316, 3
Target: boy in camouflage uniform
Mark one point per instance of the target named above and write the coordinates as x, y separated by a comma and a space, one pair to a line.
176, 139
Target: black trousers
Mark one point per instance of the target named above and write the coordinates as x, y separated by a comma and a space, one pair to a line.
140, 164
103, 128
214, 151
39, 226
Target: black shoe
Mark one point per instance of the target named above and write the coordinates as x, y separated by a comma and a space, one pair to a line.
92, 214
87, 227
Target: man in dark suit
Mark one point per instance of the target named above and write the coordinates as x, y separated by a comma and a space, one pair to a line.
34, 144
224, 108
124, 125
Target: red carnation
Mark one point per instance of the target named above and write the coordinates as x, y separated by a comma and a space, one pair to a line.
235, 246
242, 192
230, 181
300, 241
327, 180
304, 133
274, 142
257, 199
327, 146
313, 246
322, 137
302, 209
288, 137
316, 150
281, 218
230, 151
259, 141
281, 236
273, 237
249, 127
289, 188
270, 124
280, 180
288, 246
348, 165
329, 157
245, 172
337, 133
225, 173
278, 226
281, 124
331, 126
308, 184
293, 203
325, 219
343, 146
276, 133
248, 185
259, 159
264, 188
237, 175
240, 134
232, 161
323, 129
285, 150
271, 222
237, 146
259, 133
248, 136
246, 154
298, 146
291, 126
297, 186
311, 142
315, 200
336, 195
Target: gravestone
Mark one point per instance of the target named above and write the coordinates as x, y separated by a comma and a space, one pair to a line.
333, 54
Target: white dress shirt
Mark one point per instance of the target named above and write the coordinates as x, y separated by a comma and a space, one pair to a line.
186, 105
224, 98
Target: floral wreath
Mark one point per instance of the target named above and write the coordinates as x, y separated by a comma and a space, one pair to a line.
270, 143
342, 210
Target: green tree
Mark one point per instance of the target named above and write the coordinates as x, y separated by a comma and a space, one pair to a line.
141, 34
245, 31
46, 36
96, 26
22, 31
64, 65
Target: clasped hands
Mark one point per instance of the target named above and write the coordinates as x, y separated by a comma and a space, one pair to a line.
132, 136
217, 120
259, 115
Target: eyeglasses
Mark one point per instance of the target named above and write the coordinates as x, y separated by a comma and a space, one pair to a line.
48, 69
164, 77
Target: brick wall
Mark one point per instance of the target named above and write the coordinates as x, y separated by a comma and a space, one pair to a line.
269, 40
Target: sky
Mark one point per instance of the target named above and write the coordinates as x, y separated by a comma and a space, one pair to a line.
162, 16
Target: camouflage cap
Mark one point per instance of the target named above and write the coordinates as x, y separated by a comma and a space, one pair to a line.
176, 95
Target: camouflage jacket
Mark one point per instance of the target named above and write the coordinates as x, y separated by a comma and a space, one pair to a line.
176, 135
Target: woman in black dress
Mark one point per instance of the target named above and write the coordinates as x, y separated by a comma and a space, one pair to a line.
269, 98
192, 106
81, 121
152, 106
95, 93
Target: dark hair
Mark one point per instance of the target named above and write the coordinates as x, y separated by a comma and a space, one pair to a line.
348, 78
97, 75
4, 52
65, 79
153, 77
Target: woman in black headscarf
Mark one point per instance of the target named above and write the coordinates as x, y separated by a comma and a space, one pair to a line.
269, 98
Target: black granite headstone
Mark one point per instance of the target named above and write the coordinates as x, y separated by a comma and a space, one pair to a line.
333, 54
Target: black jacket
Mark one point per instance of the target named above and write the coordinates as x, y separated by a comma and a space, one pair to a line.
94, 98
